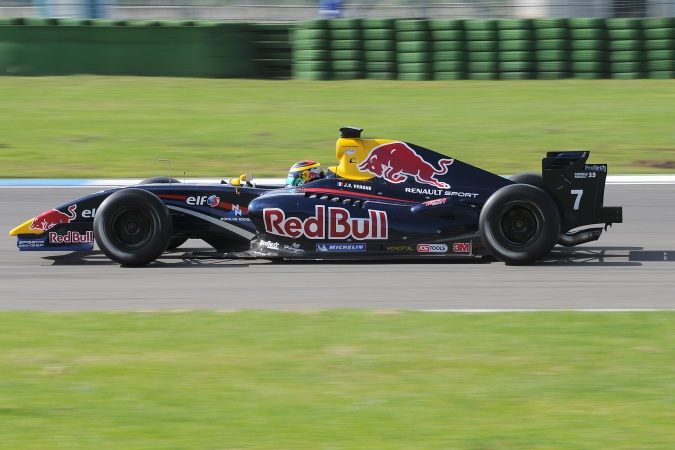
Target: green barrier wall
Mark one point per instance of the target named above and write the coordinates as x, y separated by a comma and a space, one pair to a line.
180, 49
404, 49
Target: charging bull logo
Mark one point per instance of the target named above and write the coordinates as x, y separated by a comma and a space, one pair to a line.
50, 219
395, 162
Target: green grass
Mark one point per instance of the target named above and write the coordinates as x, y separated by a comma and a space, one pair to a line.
337, 380
89, 127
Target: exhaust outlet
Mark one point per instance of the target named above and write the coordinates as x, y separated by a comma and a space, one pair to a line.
579, 237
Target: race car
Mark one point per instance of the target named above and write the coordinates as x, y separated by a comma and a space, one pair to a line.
385, 199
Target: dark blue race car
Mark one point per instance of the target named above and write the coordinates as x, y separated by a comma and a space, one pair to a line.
385, 199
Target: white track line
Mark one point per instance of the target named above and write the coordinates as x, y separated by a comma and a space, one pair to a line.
618, 310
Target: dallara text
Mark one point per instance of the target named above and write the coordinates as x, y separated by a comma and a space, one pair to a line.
385, 199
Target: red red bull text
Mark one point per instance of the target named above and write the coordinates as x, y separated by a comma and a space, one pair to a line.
71, 237
395, 162
50, 219
337, 224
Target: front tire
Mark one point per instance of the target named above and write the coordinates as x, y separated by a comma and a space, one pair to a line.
160, 180
133, 227
176, 241
519, 224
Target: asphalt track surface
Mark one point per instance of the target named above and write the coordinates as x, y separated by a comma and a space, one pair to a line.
631, 267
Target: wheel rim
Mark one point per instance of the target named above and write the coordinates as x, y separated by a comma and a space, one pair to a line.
519, 224
131, 228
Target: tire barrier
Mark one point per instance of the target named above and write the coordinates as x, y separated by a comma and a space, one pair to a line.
588, 33
448, 47
626, 60
310, 42
413, 50
379, 49
516, 50
512, 49
344, 49
552, 49
659, 47
482, 49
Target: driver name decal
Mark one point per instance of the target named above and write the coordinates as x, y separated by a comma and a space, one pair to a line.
337, 223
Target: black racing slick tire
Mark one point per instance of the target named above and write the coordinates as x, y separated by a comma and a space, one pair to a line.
133, 227
176, 241
519, 224
160, 180
531, 178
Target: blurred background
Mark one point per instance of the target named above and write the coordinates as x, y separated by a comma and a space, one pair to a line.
298, 10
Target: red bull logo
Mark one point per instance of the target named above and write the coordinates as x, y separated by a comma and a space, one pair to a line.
50, 219
71, 237
395, 162
337, 224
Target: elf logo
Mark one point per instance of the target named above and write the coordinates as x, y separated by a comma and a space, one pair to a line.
89, 213
212, 201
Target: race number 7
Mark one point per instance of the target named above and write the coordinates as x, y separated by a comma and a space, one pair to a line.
578, 193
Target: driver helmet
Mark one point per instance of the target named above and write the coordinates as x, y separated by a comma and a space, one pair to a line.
303, 172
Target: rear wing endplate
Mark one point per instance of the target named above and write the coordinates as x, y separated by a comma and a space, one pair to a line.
578, 189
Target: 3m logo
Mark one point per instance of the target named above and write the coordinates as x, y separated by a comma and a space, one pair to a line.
432, 248
461, 247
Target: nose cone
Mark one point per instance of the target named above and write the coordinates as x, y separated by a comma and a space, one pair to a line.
25, 228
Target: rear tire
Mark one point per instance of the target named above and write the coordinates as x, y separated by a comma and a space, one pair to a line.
531, 178
519, 224
133, 227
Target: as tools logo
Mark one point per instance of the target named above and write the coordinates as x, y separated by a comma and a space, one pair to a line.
50, 219
432, 248
337, 224
395, 162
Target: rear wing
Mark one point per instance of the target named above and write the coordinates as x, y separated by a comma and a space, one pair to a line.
578, 189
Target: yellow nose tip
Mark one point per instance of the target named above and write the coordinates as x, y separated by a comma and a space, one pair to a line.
25, 228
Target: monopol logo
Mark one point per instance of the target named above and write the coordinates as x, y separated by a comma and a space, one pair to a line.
340, 247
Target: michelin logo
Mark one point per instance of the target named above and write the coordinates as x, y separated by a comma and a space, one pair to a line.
340, 247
